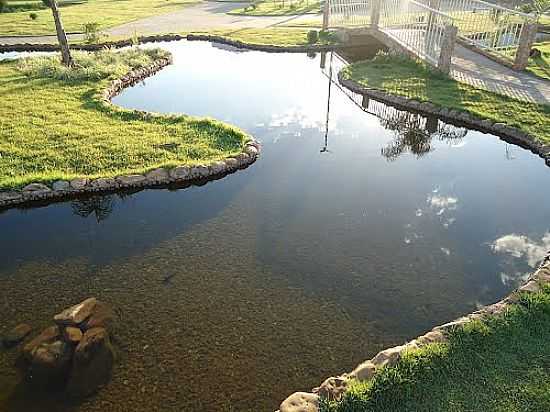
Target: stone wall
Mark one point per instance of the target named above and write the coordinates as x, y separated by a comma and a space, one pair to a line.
63, 189
334, 387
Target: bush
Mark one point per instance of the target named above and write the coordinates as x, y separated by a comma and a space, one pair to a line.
91, 32
99, 65
312, 37
3, 6
33, 16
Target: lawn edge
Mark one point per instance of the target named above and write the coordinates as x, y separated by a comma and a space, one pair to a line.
334, 387
456, 117
155, 38
184, 174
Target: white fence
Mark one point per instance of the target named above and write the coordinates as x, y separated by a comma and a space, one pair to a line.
349, 12
416, 26
487, 26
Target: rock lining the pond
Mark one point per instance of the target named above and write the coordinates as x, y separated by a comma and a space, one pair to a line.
333, 388
61, 189
46, 47
459, 118
76, 353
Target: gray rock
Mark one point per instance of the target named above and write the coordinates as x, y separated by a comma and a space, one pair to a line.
103, 183
78, 183
364, 371
231, 163
16, 335
251, 151
131, 180
36, 187
9, 196
61, 185
532, 287
300, 402
332, 388
499, 126
388, 357
157, 176
217, 167
76, 314
180, 173
92, 363
200, 171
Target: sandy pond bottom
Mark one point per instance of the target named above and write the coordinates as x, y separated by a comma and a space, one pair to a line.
236, 293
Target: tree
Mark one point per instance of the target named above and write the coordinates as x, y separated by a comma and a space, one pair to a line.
66, 58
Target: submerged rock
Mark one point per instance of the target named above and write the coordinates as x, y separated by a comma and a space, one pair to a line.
16, 335
50, 362
48, 335
92, 363
76, 314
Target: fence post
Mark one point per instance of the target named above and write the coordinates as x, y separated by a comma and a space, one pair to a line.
375, 14
326, 14
526, 40
447, 48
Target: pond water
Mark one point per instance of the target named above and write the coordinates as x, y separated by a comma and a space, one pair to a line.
345, 237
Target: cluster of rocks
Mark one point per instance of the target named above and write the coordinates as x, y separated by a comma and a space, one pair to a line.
508, 133
75, 353
333, 388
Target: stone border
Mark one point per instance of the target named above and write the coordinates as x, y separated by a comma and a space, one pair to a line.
62, 189
50, 47
461, 118
334, 387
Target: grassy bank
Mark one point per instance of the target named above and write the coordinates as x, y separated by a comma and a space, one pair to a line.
107, 13
540, 66
500, 365
279, 8
411, 79
54, 127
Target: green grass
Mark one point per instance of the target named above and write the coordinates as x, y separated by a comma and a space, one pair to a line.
107, 13
279, 8
58, 129
500, 365
540, 66
414, 80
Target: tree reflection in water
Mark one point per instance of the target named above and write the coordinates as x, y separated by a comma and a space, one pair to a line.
99, 206
414, 134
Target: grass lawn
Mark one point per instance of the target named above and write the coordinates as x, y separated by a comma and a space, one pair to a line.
273, 36
414, 80
57, 129
107, 13
500, 365
279, 8
541, 65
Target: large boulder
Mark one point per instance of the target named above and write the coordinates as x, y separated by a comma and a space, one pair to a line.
16, 335
92, 363
102, 316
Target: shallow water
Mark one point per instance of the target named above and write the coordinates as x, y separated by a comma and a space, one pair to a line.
236, 293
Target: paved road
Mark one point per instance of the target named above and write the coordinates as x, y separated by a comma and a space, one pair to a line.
479, 71
198, 17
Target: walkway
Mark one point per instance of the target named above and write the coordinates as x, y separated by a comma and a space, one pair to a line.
481, 72
198, 17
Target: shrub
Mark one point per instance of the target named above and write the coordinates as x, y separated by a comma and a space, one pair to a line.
99, 65
312, 37
33, 16
3, 6
91, 32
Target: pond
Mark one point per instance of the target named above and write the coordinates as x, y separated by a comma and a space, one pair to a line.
359, 228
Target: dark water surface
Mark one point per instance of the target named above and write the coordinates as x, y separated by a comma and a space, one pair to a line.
236, 293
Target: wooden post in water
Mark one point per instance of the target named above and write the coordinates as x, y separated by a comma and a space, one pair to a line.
447, 48
526, 40
326, 14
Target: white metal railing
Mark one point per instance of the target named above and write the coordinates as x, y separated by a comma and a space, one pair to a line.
416, 26
487, 26
349, 12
